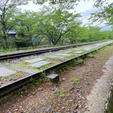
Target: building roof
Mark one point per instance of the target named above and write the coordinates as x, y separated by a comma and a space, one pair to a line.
11, 33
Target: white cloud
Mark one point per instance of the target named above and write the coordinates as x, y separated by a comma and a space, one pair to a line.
86, 15
31, 7
84, 5
85, 8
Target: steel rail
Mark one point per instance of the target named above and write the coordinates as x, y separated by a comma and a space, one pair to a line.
6, 89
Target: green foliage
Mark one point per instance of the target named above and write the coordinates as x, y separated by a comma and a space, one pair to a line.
7, 13
79, 61
54, 25
62, 93
105, 12
90, 55
75, 81
41, 79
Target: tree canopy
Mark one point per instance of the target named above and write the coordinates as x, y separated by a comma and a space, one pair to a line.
7, 9
55, 25
104, 11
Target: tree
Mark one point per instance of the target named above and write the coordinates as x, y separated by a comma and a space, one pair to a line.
7, 9
104, 12
54, 2
28, 26
74, 32
94, 33
54, 24
24, 28
83, 34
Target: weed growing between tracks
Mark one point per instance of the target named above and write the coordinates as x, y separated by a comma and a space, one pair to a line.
62, 68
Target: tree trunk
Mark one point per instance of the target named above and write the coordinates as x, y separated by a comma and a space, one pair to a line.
5, 44
53, 42
15, 42
56, 40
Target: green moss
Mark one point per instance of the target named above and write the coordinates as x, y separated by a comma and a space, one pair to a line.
26, 65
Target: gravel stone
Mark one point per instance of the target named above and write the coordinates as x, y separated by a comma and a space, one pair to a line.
48, 109
87, 83
56, 92
40, 89
44, 101
72, 88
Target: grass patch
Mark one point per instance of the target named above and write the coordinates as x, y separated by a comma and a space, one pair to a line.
75, 81
90, 55
62, 93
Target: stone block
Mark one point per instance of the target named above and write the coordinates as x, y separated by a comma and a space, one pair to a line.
34, 60
39, 64
6, 72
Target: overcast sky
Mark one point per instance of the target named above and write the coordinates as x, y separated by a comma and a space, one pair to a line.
85, 8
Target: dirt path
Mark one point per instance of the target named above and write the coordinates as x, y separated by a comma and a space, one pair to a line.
70, 95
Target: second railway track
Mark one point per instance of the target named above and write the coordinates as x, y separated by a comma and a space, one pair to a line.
39, 51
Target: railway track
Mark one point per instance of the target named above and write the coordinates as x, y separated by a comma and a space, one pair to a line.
39, 51
10, 87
